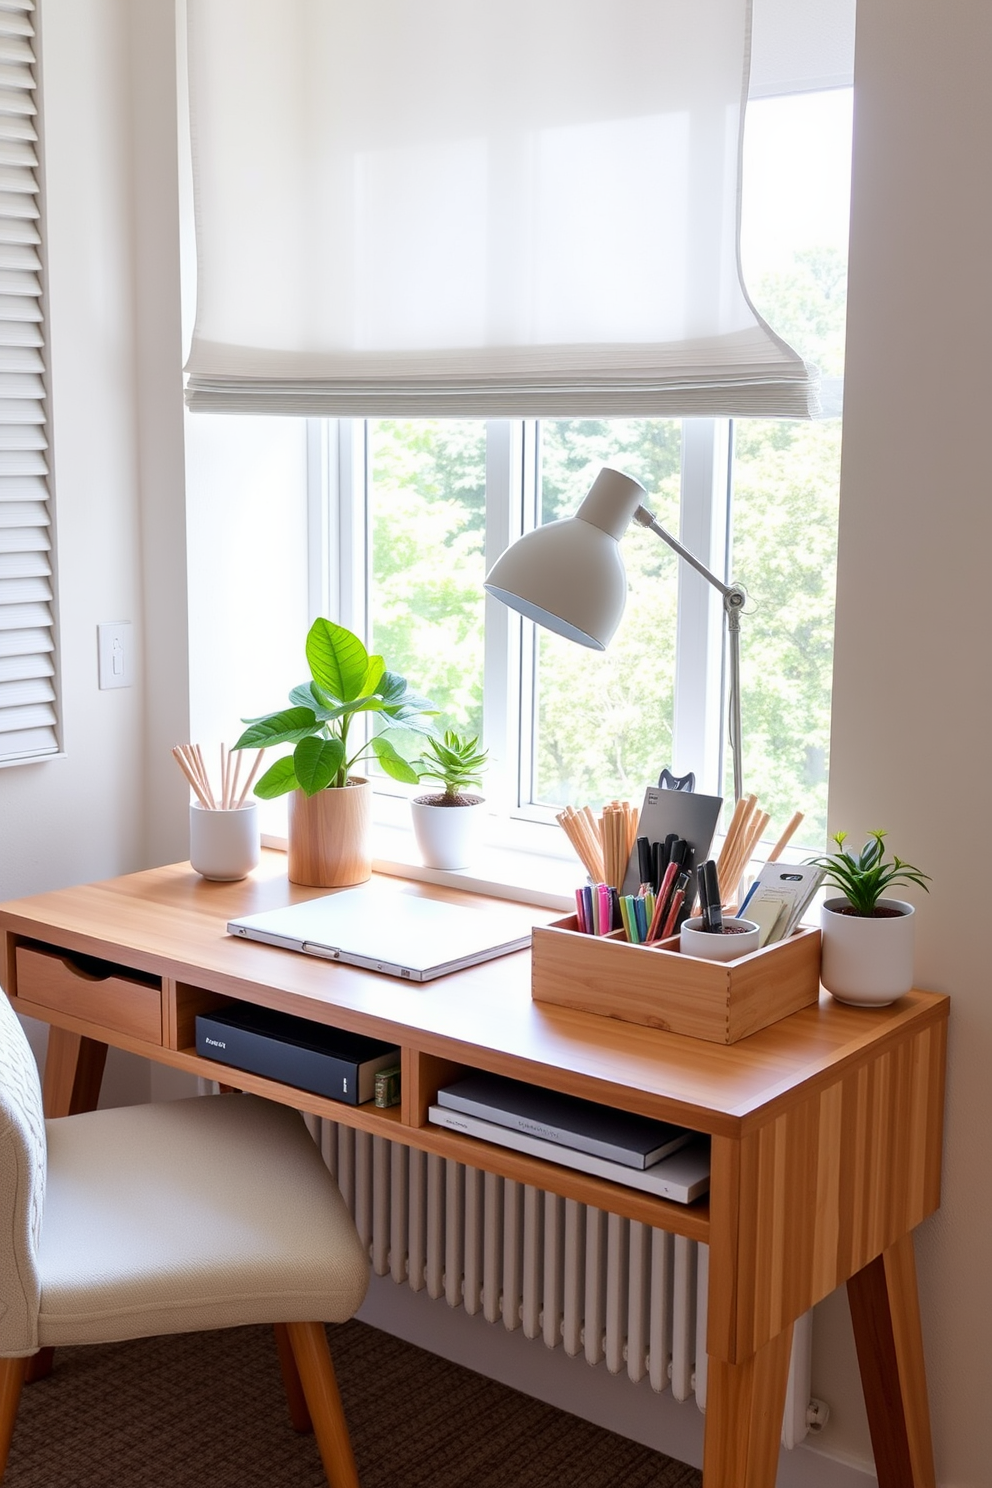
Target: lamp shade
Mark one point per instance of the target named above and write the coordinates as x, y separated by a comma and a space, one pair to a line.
568, 575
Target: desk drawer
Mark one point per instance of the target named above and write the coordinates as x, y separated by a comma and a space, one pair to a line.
93, 990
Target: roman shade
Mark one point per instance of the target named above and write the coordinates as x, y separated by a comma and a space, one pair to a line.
28, 720
475, 207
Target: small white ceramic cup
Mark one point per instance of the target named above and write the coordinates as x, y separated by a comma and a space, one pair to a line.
695, 941
223, 844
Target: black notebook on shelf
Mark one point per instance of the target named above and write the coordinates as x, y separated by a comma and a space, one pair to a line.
602, 1131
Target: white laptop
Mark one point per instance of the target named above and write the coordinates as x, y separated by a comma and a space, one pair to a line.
385, 929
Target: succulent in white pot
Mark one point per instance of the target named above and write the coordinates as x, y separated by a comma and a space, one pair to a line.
867, 939
446, 823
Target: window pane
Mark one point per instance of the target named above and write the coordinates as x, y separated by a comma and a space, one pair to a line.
786, 475
427, 498
786, 478
603, 720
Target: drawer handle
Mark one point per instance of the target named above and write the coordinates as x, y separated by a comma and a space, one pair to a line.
92, 972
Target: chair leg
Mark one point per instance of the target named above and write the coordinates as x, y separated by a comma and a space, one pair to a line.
313, 1360
295, 1398
11, 1380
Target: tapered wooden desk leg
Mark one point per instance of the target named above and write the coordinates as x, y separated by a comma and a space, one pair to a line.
885, 1311
39, 1366
11, 1380
745, 1404
313, 1360
73, 1073
295, 1398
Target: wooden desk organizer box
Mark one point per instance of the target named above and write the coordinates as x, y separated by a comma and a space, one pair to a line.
657, 986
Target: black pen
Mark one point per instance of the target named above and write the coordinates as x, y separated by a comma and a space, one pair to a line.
709, 897
645, 868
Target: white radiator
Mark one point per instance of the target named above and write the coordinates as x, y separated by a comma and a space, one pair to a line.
617, 1291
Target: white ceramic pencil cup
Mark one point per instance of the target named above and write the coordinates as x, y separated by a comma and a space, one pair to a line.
224, 844
695, 941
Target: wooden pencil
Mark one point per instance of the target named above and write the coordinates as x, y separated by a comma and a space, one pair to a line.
193, 780
786, 837
251, 779
203, 774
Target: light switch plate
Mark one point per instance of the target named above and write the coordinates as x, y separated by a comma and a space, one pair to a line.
115, 647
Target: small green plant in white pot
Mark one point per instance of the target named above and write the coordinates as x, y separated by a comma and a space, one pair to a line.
867, 939
446, 822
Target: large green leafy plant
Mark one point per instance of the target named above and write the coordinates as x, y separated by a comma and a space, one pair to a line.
344, 681
864, 879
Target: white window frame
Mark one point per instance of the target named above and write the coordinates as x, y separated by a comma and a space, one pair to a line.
340, 578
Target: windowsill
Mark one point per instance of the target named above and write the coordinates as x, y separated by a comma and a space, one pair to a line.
514, 867
501, 872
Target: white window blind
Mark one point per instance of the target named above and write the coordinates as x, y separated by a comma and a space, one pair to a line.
475, 207
28, 720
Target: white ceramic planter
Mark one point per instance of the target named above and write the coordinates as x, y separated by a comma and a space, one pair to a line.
223, 844
867, 962
447, 836
695, 941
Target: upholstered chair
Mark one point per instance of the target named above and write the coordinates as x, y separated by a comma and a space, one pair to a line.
170, 1218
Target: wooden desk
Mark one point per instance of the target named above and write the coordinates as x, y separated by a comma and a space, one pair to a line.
826, 1127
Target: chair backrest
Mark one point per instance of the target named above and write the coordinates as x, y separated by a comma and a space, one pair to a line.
23, 1163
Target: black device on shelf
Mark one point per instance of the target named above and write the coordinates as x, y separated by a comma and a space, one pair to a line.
312, 1056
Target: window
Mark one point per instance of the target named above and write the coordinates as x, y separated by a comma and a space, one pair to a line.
408, 513
440, 499
432, 503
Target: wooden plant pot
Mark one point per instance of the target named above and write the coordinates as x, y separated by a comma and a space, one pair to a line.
330, 836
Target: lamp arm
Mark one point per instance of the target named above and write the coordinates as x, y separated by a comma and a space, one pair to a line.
648, 519
733, 603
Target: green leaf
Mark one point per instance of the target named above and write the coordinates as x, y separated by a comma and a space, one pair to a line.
392, 688
308, 695
285, 727
393, 763
277, 780
458, 762
414, 725
374, 675
361, 705
316, 762
864, 880
409, 704
338, 661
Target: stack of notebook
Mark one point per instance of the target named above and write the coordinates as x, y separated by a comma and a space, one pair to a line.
668, 1161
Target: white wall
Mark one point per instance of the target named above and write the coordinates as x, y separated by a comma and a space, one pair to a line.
912, 719
248, 615
115, 802
79, 817
116, 403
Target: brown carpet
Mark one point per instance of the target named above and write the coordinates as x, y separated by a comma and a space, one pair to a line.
206, 1410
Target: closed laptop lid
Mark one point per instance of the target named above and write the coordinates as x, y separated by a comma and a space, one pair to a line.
384, 928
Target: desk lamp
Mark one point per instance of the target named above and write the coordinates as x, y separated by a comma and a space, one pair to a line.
569, 577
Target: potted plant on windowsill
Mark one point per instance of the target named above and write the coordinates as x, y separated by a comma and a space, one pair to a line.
446, 822
329, 807
867, 940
